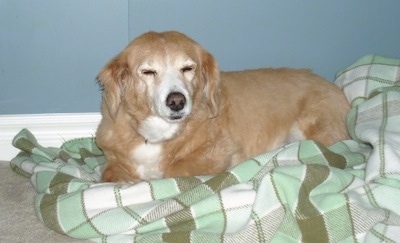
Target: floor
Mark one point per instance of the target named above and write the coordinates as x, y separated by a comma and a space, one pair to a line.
18, 222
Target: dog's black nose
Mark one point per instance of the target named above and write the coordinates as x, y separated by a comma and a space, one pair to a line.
176, 101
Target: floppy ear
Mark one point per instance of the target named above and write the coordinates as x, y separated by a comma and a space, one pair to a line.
112, 79
211, 75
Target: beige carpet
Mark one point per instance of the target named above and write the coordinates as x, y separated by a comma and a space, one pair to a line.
18, 222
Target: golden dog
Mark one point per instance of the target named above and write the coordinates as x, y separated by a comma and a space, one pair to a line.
168, 111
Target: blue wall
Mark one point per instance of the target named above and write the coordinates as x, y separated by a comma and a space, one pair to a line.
51, 51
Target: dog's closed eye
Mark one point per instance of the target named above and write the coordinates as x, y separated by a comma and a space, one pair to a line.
149, 72
187, 69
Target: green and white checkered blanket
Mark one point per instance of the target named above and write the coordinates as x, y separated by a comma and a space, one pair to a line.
304, 191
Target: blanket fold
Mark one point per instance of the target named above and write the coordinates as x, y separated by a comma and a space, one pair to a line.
302, 192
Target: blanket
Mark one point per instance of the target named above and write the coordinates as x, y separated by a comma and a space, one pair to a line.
301, 192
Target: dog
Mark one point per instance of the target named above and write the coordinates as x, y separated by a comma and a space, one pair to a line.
168, 111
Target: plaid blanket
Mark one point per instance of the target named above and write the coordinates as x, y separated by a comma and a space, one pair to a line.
304, 191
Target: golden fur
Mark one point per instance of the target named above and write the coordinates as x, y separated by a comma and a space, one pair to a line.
227, 116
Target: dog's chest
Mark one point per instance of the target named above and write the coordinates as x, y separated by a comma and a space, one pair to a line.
147, 157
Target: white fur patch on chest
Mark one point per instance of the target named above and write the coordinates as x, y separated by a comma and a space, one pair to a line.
155, 129
147, 156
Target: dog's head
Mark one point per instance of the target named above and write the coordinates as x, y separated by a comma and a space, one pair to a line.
160, 79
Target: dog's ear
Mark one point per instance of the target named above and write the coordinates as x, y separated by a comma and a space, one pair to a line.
211, 75
112, 78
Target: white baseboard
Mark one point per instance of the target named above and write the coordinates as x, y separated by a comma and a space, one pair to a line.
49, 129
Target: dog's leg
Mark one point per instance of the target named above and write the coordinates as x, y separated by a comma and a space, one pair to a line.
119, 172
325, 121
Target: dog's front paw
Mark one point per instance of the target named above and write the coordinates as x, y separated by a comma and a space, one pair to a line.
119, 174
